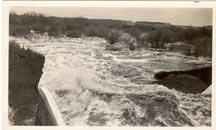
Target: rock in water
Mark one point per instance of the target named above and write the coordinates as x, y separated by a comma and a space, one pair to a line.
191, 81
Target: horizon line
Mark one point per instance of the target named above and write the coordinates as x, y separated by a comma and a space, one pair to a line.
115, 19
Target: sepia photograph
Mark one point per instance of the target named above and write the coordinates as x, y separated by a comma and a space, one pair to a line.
110, 66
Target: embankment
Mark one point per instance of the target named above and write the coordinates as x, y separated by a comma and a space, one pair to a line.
25, 70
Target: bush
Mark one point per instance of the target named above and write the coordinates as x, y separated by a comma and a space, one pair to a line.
74, 33
203, 47
113, 36
98, 31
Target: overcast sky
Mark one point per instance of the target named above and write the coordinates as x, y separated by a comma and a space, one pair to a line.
177, 16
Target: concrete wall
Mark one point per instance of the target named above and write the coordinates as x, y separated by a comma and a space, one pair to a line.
48, 112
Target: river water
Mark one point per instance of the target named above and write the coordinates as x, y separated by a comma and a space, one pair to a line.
93, 86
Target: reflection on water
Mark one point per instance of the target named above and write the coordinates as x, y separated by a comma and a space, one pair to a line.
94, 86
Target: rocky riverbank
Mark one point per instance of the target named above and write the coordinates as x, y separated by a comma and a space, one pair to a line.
25, 70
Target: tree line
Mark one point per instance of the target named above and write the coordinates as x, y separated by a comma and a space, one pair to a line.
155, 34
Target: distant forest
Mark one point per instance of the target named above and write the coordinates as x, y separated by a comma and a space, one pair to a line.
154, 33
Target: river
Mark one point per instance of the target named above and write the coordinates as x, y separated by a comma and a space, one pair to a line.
93, 86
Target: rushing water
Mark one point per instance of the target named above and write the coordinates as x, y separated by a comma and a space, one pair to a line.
97, 87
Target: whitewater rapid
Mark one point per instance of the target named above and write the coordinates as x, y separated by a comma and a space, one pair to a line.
97, 87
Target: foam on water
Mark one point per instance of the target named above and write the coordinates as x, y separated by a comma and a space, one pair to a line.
93, 86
